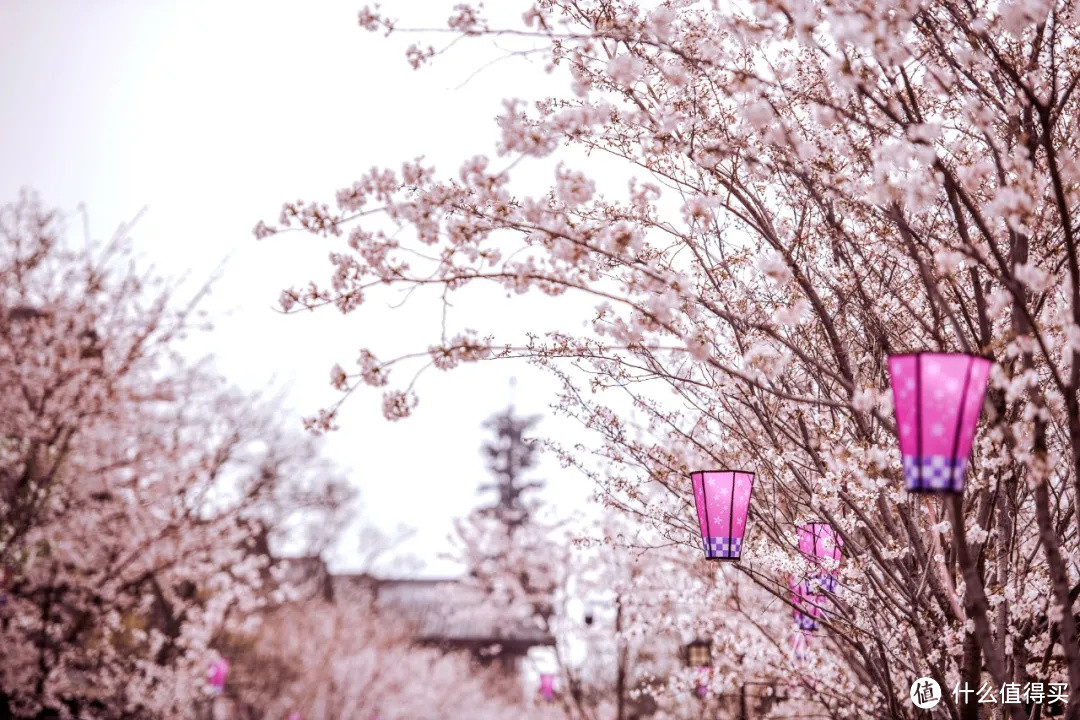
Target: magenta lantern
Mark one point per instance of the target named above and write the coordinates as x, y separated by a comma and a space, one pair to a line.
938, 398
808, 606
819, 541
722, 498
547, 686
217, 674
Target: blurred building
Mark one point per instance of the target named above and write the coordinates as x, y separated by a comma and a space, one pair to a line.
446, 613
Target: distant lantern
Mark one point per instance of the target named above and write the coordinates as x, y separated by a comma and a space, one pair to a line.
699, 654
217, 674
807, 605
547, 686
295, 716
937, 398
722, 498
819, 541
588, 615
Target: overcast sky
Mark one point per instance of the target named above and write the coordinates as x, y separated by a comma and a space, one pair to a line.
209, 115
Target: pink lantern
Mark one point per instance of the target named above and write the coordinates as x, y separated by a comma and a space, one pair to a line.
547, 686
807, 605
722, 498
938, 398
819, 541
217, 674
295, 716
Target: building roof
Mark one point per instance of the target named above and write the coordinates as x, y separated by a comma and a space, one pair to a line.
447, 611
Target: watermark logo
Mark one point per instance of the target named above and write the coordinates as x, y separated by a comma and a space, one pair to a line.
925, 693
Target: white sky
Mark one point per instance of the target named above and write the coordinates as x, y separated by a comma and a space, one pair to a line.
210, 114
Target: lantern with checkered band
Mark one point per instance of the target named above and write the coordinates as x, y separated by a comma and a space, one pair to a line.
547, 686
808, 606
722, 498
823, 549
938, 398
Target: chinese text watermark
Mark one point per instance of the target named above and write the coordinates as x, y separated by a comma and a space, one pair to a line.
926, 693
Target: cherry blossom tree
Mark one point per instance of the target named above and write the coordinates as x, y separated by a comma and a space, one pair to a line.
805, 188
140, 499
